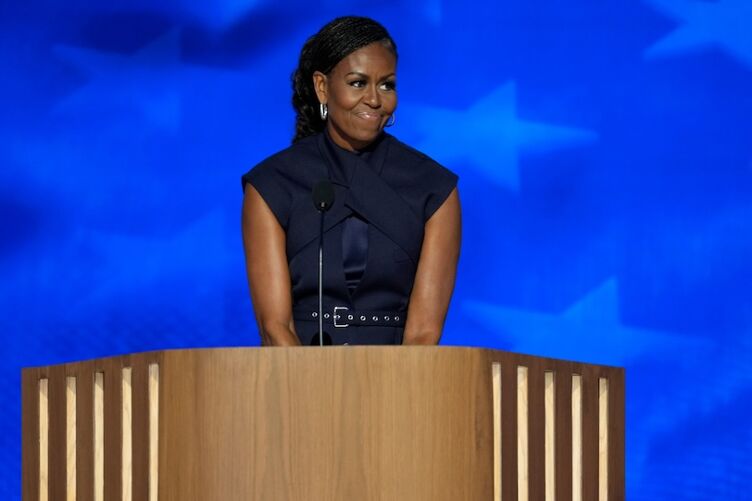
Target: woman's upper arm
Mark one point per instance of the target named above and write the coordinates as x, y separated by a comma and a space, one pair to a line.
434, 279
268, 272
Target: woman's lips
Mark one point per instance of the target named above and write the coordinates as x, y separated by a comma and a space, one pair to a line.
370, 116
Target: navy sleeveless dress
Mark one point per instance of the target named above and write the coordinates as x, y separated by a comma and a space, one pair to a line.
372, 234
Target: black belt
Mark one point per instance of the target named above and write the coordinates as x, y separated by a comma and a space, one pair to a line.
342, 316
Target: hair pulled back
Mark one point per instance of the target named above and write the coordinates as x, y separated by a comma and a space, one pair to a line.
321, 52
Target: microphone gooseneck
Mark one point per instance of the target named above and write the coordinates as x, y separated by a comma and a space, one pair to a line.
323, 199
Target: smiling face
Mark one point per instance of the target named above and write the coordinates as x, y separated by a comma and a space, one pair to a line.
360, 94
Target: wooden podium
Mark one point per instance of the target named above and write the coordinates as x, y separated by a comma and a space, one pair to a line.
335, 423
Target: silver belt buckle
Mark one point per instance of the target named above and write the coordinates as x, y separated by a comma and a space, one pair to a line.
336, 316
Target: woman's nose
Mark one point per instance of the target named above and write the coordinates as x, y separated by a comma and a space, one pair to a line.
372, 97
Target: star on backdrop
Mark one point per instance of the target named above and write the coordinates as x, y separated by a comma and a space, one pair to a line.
123, 213
146, 82
726, 24
219, 14
106, 265
697, 393
490, 136
198, 246
589, 331
704, 391
157, 90
113, 279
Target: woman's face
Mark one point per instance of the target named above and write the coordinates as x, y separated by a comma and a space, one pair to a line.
360, 93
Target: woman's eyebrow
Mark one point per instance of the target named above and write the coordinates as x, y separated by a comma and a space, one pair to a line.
363, 75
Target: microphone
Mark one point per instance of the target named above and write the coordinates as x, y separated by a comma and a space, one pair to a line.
323, 195
323, 199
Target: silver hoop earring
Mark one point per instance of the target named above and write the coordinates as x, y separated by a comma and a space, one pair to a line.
391, 120
323, 111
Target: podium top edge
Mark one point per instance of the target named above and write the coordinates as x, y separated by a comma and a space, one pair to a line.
493, 355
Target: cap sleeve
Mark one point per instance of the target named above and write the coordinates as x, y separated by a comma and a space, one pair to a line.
273, 188
441, 183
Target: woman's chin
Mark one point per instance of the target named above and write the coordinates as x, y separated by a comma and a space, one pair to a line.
366, 137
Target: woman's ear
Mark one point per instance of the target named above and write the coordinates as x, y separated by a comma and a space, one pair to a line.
319, 85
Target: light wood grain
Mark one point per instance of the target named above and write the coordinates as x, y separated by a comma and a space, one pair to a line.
99, 436
576, 437
127, 434
70, 437
341, 423
44, 429
153, 432
602, 439
550, 438
496, 382
522, 435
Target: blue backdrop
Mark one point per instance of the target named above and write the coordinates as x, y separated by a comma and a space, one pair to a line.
605, 156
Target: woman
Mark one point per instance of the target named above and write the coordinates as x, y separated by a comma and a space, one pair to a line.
392, 236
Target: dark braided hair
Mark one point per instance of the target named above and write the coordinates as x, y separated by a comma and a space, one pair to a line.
321, 52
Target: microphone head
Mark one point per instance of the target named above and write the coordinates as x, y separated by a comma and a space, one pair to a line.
323, 195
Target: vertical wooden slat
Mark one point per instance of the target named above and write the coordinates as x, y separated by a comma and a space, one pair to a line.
126, 423
509, 431
563, 446
602, 439
57, 432
576, 437
99, 445
496, 385
616, 425
84, 373
523, 477
589, 433
550, 436
153, 432
70, 438
536, 430
140, 389
30, 434
113, 429
44, 443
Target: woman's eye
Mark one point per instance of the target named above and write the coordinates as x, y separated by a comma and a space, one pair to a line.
389, 85
358, 83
